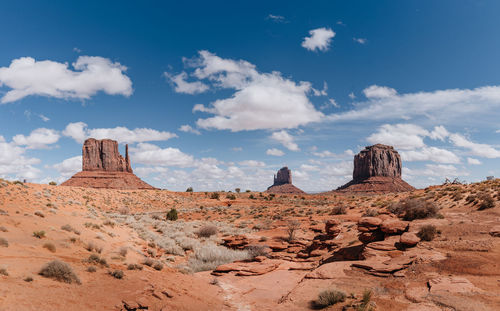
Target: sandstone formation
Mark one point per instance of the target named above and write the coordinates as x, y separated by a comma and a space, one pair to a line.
104, 167
283, 183
377, 169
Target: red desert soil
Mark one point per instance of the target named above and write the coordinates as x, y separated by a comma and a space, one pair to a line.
290, 247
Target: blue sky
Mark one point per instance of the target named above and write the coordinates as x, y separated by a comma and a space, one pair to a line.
220, 95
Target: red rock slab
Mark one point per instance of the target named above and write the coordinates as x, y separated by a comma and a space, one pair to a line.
247, 268
369, 222
409, 239
452, 284
330, 270
495, 231
277, 245
394, 226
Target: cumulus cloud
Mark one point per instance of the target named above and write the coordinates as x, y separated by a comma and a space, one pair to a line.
286, 140
145, 153
14, 162
183, 86
260, 101
25, 76
329, 154
38, 139
275, 152
360, 40
319, 39
79, 132
188, 129
442, 106
473, 161
252, 163
401, 136
430, 154
438, 170
481, 150
68, 167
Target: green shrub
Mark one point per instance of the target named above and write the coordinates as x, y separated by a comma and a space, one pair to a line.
134, 266
329, 297
231, 196
215, 196
60, 271
237, 190
39, 234
53, 183
172, 215
411, 209
117, 274
190, 189
486, 202
4, 242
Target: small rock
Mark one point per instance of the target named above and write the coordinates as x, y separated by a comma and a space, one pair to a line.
409, 239
495, 231
394, 226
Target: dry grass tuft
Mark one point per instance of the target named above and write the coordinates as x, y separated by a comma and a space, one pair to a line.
59, 271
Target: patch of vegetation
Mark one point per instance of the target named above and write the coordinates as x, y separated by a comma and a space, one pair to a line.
39, 234
4, 242
93, 247
91, 269
50, 246
230, 196
117, 274
209, 256
59, 271
95, 259
486, 201
190, 189
172, 215
411, 209
427, 232
3, 271
371, 212
206, 231
215, 195
328, 298
291, 229
338, 210
134, 266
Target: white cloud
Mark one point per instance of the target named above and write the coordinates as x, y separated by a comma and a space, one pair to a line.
25, 76
13, 162
44, 118
352, 96
319, 39
145, 153
237, 149
309, 168
275, 152
439, 132
188, 129
481, 150
68, 167
261, 100
79, 132
38, 139
286, 140
473, 161
329, 154
360, 40
252, 163
376, 91
443, 106
433, 154
183, 86
276, 18
400, 136
439, 170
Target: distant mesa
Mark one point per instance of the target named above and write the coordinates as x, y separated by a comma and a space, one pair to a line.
283, 183
104, 167
377, 169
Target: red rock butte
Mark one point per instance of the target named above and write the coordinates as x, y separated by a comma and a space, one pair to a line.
377, 169
104, 167
283, 183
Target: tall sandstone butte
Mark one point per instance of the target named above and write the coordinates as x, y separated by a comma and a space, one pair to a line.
104, 167
377, 169
283, 183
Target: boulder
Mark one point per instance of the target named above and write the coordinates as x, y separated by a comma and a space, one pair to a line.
393, 226
331, 227
409, 239
370, 222
495, 231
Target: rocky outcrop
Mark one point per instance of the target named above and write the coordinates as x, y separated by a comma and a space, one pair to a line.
104, 167
283, 183
377, 169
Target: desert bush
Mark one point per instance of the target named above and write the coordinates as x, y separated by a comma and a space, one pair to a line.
93, 247
190, 189
486, 201
67, 227
427, 232
52, 183
338, 210
50, 246
209, 256
158, 266
4, 242
117, 274
39, 234
291, 229
60, 271
370, 213
172, 215
148, 262
3, 229
230, 196
3, 271
40, 214
329, 297
28, 279
95, 259
206, 231
237, 190
124, 210
257, 250
123, 251
134, 266
411, 209
109, 223
214, 195
91, 269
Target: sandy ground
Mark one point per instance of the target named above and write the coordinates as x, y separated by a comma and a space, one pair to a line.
463, 249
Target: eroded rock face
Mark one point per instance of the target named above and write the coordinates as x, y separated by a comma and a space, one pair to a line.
377, 160
283, 177
103, 155
377, 169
